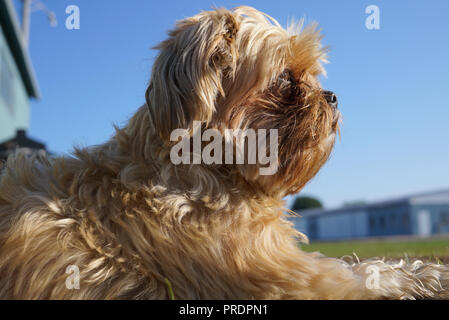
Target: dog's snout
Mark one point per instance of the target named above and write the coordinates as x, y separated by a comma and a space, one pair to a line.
331, 98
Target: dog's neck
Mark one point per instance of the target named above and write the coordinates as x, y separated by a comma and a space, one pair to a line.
139, 141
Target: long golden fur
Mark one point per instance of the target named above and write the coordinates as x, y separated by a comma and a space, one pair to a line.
130, 219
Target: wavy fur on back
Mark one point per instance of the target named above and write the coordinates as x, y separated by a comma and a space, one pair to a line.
130, 220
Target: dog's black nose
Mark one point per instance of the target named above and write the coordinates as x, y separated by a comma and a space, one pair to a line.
331, 98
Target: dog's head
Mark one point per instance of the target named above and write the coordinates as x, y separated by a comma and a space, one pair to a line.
240, 69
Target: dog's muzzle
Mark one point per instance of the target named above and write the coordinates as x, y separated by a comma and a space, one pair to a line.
331, 98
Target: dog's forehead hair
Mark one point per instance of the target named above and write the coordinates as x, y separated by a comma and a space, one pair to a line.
266, 48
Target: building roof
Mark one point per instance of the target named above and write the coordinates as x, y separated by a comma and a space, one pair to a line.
440, 197
20, 141
11, 29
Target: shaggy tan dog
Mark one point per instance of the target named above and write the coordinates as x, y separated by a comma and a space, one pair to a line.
129, 219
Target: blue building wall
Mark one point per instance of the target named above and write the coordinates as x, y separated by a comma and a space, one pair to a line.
393, 219
389, 220
352, 224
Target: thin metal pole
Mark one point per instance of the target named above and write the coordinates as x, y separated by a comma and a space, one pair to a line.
26, 16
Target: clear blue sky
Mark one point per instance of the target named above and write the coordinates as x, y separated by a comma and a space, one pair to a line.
392, 83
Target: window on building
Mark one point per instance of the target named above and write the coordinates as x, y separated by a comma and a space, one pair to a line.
444, 218
382, 222
313, 227
372, 222
6, 79
393, 219
443, 222
405, 220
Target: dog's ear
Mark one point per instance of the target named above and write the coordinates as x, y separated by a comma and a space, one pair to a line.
188, 73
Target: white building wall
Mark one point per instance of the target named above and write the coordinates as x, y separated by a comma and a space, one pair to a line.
15, 116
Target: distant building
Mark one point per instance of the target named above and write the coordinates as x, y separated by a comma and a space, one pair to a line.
17, 85
419, 215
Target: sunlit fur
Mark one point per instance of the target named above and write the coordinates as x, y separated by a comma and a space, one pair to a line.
131, 220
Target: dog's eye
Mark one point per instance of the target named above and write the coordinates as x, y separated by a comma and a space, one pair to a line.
286, 84
286, 79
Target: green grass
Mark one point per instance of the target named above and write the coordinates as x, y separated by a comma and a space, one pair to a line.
382, 248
